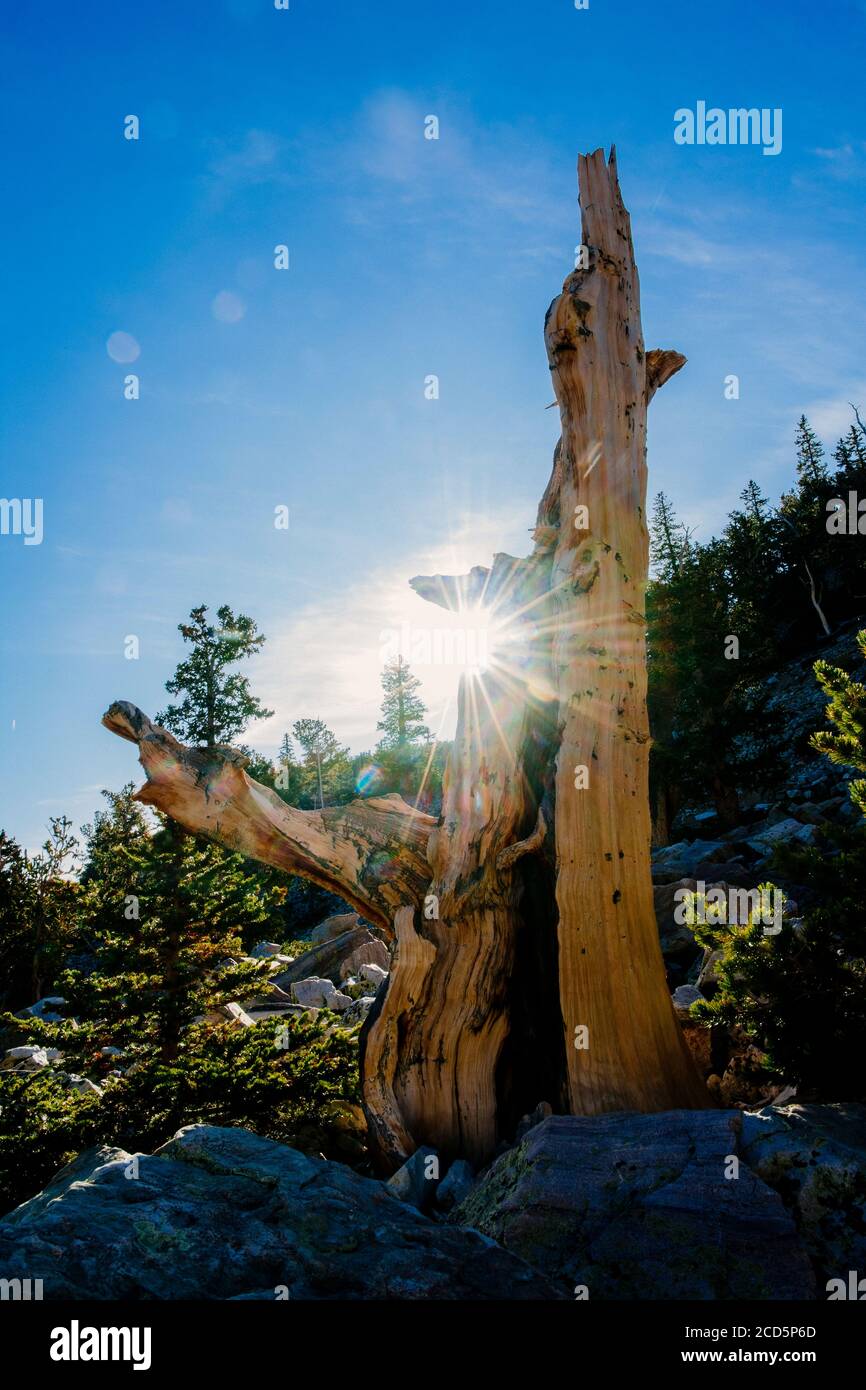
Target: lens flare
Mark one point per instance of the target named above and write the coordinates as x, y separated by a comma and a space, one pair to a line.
367, 778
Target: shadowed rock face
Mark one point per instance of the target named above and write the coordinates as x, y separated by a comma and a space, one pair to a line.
224, 1214
638, 1206
815, 1157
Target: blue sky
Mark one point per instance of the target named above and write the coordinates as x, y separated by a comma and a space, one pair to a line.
408, 257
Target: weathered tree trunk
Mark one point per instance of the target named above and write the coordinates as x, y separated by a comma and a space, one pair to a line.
527, 962
433, 1052
371, 852
624, 1046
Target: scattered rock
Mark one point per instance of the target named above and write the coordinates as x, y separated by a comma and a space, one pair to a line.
320, 994
416, 1182
340, 1003
83, 1085
327, 959
358, 1009
46, 1009
265, 948
25, 1058
224, 1214
730, 874
235, 1014
455, 1186
783, 832
374, 973
685, 995
313, 991
677, 940
337, 925
372, 952
700, 823
270, 996
683, 856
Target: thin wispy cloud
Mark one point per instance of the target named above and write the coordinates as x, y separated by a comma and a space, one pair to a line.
257, 157
475, 179
846, 161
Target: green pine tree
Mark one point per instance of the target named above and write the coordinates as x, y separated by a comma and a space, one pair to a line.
846, 742
159, 920
670, 539
217, 702
850, 452
811, 468
288, 774
164, 913
705, 693
326, 769
38, 914
16, 940
403, 710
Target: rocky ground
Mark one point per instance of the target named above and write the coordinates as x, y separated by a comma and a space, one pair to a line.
685, 1205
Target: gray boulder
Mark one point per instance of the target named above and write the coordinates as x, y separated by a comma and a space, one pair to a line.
320, 994
224, 1214
681, 860
677, 939
685, 995
46, 1009
337, 925
265, 948
27, 1057
235, 1014
372, 952
783, 832
639, 1206
340, 1003
701, 823
417, 1180
815, 1156
83, 1085
373, 974
456, 1185
359, 1008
